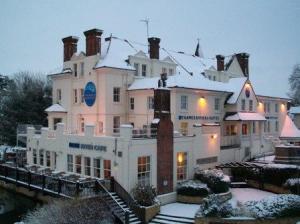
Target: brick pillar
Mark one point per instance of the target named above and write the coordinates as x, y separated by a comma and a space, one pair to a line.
243, 59
93, 41
220, 62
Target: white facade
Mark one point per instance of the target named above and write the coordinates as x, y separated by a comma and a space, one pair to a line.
125, 79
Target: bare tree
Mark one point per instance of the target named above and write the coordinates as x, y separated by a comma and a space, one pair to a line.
85, 211
294, 81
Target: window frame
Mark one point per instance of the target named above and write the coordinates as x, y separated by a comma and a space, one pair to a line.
131, 101
150, 102
70, 163
182, 167
144, 70
106, 168
184, 102
97, 169
144, 170
116, 125
116, 94
78, 164
87, 166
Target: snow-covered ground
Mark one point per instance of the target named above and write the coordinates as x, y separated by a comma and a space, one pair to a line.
180, 209
241, 195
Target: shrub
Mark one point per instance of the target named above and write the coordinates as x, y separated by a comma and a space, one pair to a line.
215, 179
144, 195
293, 184
193, 188
285, 205
212, 206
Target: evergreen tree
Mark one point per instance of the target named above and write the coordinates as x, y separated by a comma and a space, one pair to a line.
294, 81
27, 96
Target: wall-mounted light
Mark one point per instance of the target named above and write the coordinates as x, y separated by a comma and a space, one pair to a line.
214, 136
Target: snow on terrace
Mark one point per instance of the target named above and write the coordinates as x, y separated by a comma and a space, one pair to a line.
242, 195
179, 209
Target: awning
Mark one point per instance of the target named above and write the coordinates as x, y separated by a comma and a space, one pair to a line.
56, 108
244, 116
289, 130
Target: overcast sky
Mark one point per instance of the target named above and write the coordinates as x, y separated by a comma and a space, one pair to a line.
269, 31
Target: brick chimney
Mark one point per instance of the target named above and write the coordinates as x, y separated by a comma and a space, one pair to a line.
243, 59
70, 47
164, 135
154, 47
220, 62
93, 41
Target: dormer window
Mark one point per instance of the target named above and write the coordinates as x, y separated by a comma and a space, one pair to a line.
243, 106
136, 66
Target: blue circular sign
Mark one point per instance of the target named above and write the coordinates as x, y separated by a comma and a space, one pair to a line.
90, 94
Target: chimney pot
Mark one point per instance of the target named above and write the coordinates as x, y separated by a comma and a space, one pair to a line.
70, 47
154, 47
93, 41
220, 62
243, 59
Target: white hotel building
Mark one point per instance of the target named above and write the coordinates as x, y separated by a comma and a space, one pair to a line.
109, 118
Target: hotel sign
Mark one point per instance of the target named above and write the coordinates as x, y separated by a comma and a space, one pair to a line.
87, 146
89, 94
198, 117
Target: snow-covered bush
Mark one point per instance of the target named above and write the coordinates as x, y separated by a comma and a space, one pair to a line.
212, 206
285, 205
144, 195
293, 184
215, 179
193, 188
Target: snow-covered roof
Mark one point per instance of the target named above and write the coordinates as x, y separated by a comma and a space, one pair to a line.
56, 108
245, 116
115, 54
289, 129
192, 82
295, 110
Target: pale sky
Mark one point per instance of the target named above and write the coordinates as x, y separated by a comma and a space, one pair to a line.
269, 31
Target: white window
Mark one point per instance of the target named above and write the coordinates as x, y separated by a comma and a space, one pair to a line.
75, 70
107, 169
250, 105
214, 78
100, 127
41, 153
144, 170
97, 167
116, 94
171, 71
276, 107
243, 106
70, 163
136, 66
55, 122
164, 70
81, 95
58, 95
181, 166
209, 77
150, 102
87, 166
131, 103
116, 127
217, 104
144, 70
184, 102
245, 129
254, 127
34, 156
48, 159
75, 95
78, 164
81, 68
268, 126
82, 124
276, 126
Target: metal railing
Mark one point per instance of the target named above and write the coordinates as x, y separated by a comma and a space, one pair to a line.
117, 210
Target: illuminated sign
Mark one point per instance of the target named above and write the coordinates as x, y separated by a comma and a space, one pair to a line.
90, 94
87, 146
197, 117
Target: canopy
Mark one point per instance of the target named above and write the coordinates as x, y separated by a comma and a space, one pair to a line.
56, 108
244, 116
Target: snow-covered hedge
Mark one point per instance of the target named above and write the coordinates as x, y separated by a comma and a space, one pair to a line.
215, 179
212, 206
293, 184
285, 205
282, 172
193, 188
144, 195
